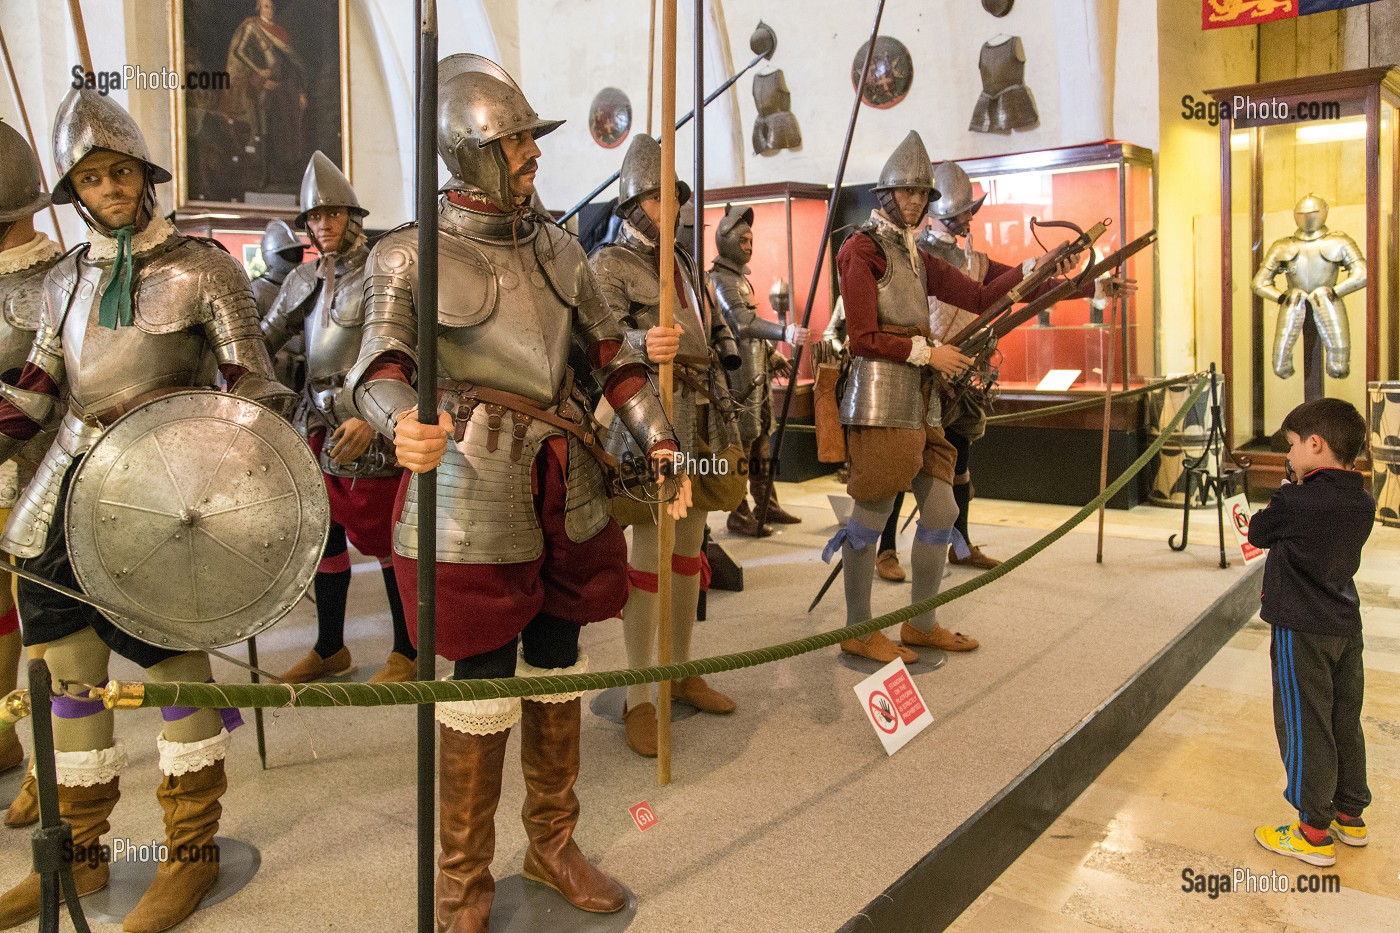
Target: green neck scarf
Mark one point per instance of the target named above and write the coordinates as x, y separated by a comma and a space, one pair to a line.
115, 310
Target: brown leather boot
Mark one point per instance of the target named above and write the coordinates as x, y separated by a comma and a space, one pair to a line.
549, 756
24, 810
469, 772
86, 810
975, 558
191, 805
742, 522
940, 637
777, 515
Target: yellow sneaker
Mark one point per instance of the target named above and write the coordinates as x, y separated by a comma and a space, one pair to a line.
1351, 834
1288, 840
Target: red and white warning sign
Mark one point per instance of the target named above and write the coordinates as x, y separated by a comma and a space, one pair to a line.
893, 705
1237, 516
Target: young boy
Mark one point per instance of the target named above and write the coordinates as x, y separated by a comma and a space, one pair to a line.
1314, 529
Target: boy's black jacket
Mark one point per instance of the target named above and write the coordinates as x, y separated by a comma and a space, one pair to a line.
1314, 532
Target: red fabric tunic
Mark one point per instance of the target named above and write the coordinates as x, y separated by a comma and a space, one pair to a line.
363, 507
861, 264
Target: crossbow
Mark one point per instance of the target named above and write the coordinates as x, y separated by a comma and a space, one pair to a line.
979, 338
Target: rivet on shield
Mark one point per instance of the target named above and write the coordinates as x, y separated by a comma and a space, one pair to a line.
263, 468
247, 472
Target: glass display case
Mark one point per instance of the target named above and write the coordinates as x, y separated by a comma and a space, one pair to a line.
1084, 184
1286, 147
787, 227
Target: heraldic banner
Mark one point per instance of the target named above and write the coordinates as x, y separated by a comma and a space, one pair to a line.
1216, 14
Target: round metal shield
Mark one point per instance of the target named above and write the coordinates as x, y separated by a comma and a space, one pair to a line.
891, 72
201, 513
610, 117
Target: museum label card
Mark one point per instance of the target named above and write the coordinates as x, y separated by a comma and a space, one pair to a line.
1058, 380
893, 705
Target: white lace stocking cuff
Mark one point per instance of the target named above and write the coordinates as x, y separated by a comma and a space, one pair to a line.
89, 769
527, 670
918, 352
177, 758
479, 717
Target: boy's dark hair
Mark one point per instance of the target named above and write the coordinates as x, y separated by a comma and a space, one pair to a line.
1335, 421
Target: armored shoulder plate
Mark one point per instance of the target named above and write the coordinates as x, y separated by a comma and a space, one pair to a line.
299, 287
181, 283
628, 273
21, 293
564, 262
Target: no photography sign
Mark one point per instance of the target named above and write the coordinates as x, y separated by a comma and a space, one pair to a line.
893, 705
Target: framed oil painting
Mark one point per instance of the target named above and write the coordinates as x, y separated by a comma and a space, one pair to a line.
265, 83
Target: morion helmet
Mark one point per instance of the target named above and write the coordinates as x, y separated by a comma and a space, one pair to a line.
21, 190
479, 104
86, 122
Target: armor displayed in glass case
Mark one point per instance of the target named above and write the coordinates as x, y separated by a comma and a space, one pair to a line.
1307, 252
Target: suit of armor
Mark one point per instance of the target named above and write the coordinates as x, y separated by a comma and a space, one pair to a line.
775, 128
1005, 103
139, 312
752, 382
526, 552
628, 273
322, 306
890, 405
1311, 261
25, 258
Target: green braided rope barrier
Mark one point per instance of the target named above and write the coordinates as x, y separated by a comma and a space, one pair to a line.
1086, 403
206, 696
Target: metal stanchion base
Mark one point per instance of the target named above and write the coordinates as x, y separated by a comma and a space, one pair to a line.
608, 705
522, 906
238, 863
930, 659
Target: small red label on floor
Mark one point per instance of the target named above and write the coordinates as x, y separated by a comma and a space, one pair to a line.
643, 816
906, 698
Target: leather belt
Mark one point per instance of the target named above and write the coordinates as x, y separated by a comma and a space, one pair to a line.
498, 401
103, 418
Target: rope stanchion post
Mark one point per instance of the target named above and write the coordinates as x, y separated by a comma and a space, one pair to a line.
53, 840
125, 695
1107, 420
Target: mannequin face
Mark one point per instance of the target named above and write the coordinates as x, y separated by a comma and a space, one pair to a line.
652, 208
522, 160
912, 202
327, 226
110, 186
746, 246
958, 224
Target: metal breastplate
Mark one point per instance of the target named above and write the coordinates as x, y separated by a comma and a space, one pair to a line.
165, 348
1004, 104
889, 393
1315, 264
516, 331
333, 341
